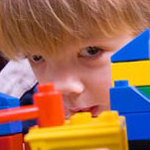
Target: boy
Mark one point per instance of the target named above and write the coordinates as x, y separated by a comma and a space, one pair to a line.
69, 42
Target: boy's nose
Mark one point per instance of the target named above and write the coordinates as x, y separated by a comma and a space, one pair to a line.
69, 86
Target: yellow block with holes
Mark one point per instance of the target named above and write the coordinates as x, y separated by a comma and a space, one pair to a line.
136, 72
82, 131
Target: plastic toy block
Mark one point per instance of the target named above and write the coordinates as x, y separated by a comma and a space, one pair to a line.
4, 107
82, 132
137, 73
138, 126
13, 142
10, 128
127, 99
145, 90
137, 49
51, 103
46, 106
6, 100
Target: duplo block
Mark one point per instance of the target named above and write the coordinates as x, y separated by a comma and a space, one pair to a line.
82, 132
138, 126
137, 49
127, 99
6, 100
137, 73
4, 107
11, 142
10, 128
145, 90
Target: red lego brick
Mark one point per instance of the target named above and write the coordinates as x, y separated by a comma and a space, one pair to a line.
11, 142
44, 88
47, 108
51, 111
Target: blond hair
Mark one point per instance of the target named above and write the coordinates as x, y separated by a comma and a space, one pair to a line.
43, 26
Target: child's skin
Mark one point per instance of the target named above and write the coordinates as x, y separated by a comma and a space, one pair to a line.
83, 77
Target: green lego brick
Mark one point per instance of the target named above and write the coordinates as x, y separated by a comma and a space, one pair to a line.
144, 90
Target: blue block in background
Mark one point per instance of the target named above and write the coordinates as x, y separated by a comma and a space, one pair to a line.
126, 99
6, 100
4, 107
138, 126
137, 49
10, 128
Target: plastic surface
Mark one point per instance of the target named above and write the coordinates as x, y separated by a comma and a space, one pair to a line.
137, 49
9, 101
82, 132
47, 87
137, 73
47, 108
51, 111
138, 126
13, 142
127, 99
145, 90
11, 127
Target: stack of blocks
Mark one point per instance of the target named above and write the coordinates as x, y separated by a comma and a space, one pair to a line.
131, 66
10, 133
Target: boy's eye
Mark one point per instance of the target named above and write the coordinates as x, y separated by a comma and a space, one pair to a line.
90, 51
37, 58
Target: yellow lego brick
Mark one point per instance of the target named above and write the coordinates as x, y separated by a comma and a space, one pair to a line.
137, 72
82, 131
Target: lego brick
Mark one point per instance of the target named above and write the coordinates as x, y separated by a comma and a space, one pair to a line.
82, 132
4, 107
11, 142
137, 73
138, 126
6, 100
10, 128
7, 107
137, 49
127, 99
144, 90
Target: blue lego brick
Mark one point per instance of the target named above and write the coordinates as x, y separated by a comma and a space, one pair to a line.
4, 107
127, 99
6, 100
137, 49
10, 128
138, 126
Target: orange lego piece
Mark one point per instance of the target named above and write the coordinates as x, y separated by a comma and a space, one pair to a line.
47, 87
47, 108
51, 111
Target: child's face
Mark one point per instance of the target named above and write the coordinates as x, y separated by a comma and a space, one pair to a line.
82, 74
